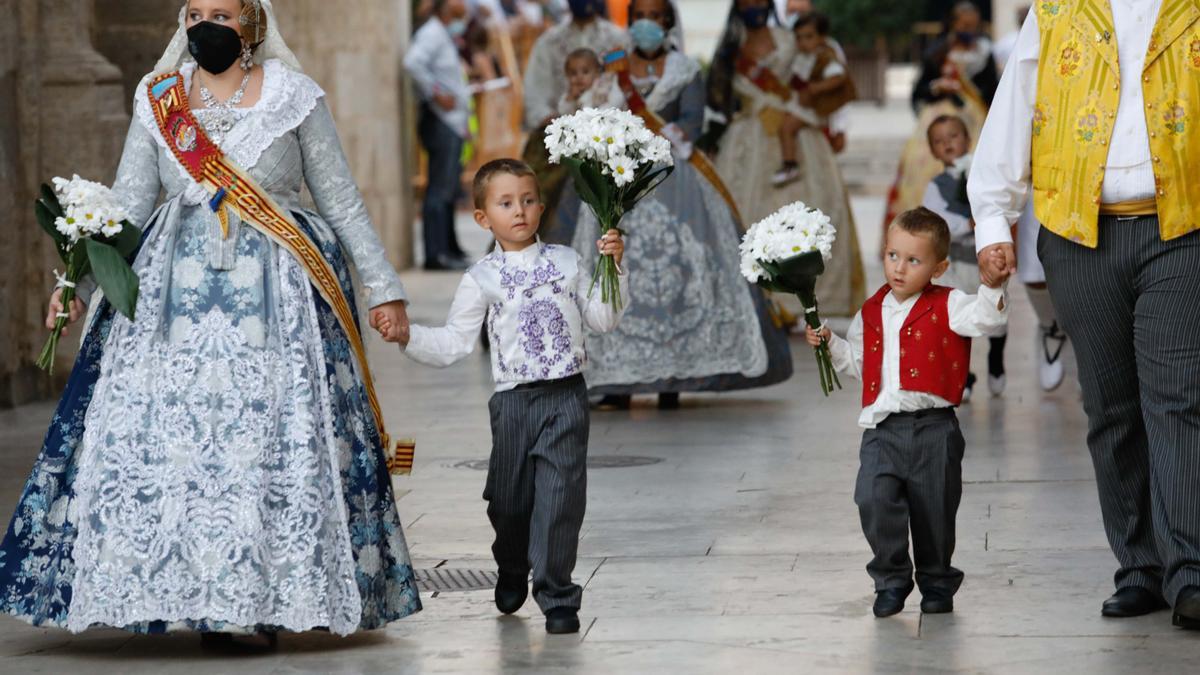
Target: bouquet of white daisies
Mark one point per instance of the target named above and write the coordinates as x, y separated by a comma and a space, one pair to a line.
785, 253
615, 162
92, 234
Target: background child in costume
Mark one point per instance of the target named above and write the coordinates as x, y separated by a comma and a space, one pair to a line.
946, 195
822, 87
909, 345
535, 301
588, 86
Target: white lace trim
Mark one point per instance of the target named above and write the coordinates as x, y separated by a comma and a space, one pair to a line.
678, 72
288, 98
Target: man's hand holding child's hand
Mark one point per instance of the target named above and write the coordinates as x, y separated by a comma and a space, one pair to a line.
612, 244
995, 269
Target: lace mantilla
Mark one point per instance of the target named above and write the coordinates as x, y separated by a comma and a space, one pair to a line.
678, 72
288, 98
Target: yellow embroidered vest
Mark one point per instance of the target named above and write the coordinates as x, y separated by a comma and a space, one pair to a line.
1078, 91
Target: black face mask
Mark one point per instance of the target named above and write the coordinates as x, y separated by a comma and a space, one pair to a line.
755, 17
214, 47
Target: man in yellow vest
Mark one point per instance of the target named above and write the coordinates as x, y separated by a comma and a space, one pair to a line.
1095, 118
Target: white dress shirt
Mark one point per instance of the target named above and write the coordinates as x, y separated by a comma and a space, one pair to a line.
973, 316
536, 303
1000, 176
434, 65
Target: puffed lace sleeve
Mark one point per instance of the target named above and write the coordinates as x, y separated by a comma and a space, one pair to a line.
327, 174
138, 184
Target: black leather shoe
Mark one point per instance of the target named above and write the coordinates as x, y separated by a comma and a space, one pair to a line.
890, 601
668, 400
1187, 609
615, 402
562, 620
937, 604
1132, 601
511, 592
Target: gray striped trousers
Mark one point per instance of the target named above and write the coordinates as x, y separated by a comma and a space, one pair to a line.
910, 480
537, 485
1132, 310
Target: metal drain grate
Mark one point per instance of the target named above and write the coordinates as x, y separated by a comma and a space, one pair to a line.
452, 579
593, 462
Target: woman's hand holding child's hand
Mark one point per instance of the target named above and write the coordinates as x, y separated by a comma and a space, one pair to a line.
391, 320
612, 244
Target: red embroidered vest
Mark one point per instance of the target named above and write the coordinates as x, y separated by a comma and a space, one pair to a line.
933, 359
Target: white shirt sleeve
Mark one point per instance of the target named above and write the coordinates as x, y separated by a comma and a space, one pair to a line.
542, 87
960, 226
847, 353
833, 69
1000, 174
597, 314
982, 315
441, 347
416, 61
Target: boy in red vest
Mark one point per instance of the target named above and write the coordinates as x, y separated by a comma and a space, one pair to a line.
911, 345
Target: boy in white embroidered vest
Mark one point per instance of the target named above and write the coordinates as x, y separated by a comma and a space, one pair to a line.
946, 195
910, 346
535, 299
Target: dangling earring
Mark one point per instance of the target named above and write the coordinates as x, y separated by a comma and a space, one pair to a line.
247, 56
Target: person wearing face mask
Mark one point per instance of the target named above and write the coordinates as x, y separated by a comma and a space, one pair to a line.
218, 462
695, 324
545, 84
437, 72
748, 96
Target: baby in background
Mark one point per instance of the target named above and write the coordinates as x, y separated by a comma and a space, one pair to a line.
822, 86
588, 86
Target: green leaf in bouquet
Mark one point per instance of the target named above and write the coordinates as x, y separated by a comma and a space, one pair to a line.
114, 275
798, 272
581, 185
600, 186
45, 218
127, 240
645, 185
48, 195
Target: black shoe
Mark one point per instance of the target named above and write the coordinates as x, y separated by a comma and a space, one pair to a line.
1132, 601
935, 603
447, 263
615, 402
511, 592
261, 642
890, 601
562, 620
668, 401
1187, 609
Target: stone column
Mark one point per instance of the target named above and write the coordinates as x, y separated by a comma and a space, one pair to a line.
353, 49
66, 116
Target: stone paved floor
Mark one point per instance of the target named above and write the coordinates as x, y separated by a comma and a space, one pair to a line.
739, 551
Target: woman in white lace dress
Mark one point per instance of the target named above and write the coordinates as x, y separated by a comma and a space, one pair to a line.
751, 64
214, 464
694, 323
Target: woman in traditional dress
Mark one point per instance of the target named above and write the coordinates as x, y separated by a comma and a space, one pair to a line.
695, 324
216, 463
958, 77
746, 91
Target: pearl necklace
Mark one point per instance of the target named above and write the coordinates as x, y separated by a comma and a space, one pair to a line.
219, 116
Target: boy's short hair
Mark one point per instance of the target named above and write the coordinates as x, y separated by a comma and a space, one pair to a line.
944, 119
484, 175
923, 222
816, 20
584, 53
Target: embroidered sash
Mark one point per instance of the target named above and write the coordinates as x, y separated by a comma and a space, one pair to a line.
618, 63
232, 188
